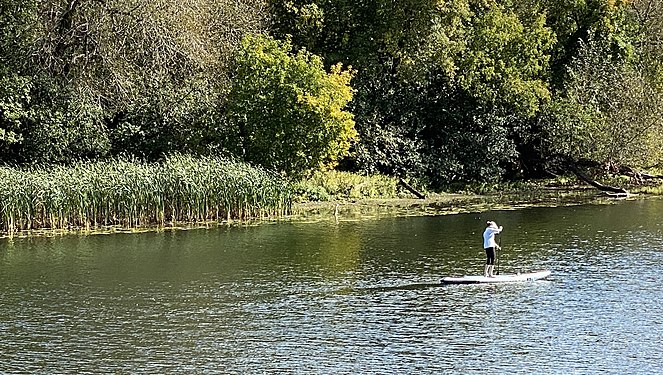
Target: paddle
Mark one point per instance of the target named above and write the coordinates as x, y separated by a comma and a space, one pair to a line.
497, 255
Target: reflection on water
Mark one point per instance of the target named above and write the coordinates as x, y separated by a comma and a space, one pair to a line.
352, 297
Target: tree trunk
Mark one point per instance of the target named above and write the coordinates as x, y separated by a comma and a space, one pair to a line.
598, 185
411, 189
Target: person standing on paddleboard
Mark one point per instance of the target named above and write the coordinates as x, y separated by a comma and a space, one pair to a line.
490, 246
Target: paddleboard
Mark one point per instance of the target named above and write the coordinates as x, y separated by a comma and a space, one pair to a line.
504, 278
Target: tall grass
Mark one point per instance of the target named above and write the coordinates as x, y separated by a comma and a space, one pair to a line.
181, 189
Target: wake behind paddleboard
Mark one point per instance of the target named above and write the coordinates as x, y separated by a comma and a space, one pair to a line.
512, 278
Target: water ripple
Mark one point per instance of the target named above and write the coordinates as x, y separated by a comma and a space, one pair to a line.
367, 309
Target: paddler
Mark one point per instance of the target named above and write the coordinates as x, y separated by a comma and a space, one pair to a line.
490, 246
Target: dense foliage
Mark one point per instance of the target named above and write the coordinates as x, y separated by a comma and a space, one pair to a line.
442, 91
477, 90
285, 112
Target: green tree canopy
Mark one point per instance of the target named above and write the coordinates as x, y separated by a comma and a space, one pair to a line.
285, 111
610, 112
505, 61
144, 77
431, 77
649, 16
452, 90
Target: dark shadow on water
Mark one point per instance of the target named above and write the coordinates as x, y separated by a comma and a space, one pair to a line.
423, 286
417, 286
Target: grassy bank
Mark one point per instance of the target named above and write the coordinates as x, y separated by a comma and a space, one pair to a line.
183, 190
132, 194
350, 196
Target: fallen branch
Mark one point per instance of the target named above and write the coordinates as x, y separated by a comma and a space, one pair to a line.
596, 184
648, 176
411, 189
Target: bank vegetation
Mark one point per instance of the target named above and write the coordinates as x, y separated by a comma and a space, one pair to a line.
434, 95
180, 190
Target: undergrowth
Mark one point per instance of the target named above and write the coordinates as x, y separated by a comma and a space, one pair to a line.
337, 185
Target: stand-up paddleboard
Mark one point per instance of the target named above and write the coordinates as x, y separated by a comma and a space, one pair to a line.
519, 277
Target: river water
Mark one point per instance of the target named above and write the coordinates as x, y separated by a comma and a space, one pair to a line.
346, 297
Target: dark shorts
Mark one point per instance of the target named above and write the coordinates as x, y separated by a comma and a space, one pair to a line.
490, 255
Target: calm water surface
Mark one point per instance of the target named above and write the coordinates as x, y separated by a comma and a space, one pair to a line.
356, 297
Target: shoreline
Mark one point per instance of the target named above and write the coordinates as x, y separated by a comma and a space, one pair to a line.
450, 204
370, 209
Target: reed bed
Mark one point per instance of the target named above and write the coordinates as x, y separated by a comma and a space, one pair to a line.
128, 193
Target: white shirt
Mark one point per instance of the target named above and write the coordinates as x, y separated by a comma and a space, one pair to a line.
489, 236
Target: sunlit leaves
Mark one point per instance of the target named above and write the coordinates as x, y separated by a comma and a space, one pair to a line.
287, 111
505, 61
14, 103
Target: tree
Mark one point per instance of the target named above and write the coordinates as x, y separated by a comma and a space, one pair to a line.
573, 22
119, 48
649, 16
428, 71
145, 76
610, 112
285, 111
40, 121
365, 33
505, 61
486, 71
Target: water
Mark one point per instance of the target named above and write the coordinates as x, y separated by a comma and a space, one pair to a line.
357, 297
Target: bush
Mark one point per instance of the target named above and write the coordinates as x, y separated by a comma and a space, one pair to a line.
330, 185
286, 113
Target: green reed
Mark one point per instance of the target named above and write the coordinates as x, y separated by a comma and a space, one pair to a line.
128, 193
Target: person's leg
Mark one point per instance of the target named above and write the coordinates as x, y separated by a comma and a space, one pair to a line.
490, 260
